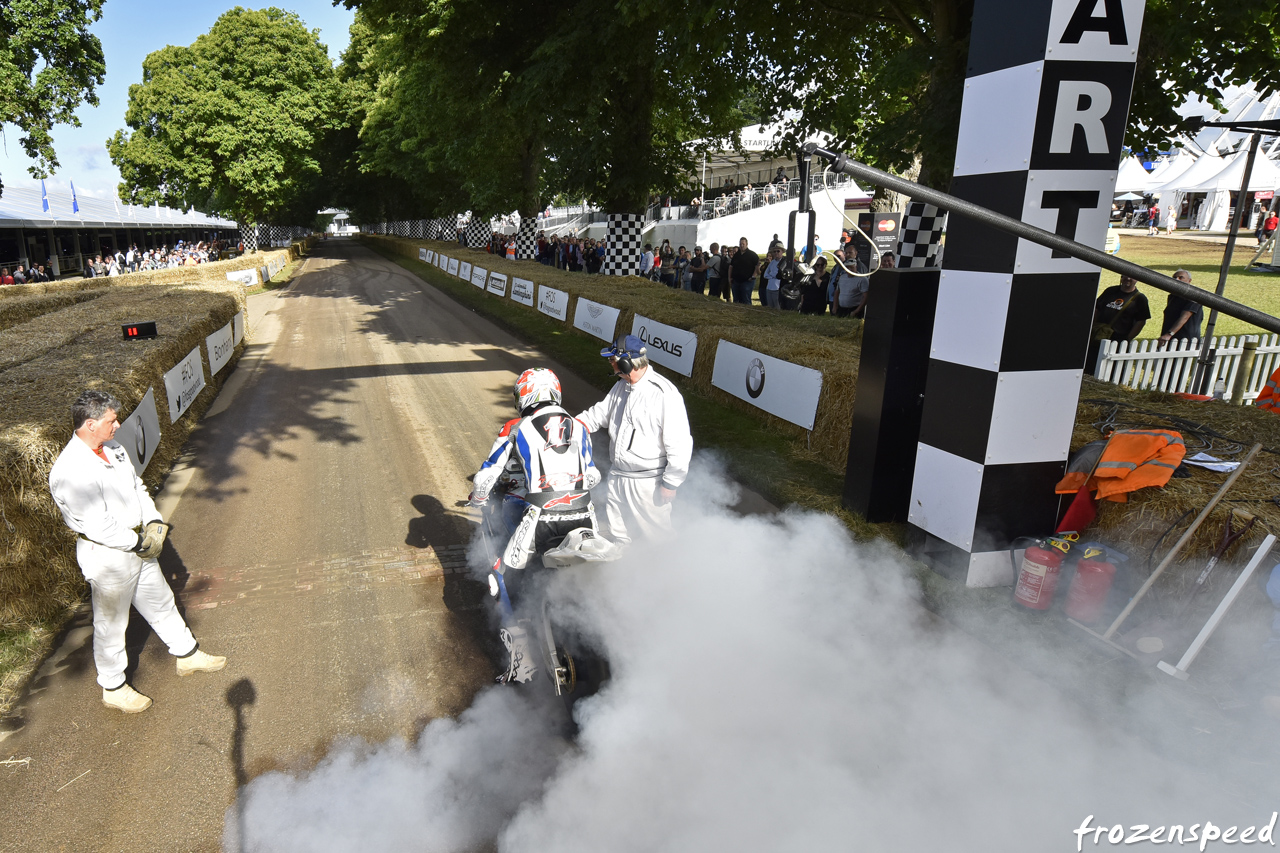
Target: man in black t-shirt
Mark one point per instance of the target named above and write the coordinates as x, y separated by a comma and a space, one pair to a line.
1182, 317
1118, 315
742, 269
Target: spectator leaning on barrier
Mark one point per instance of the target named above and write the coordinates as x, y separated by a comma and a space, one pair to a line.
1119, 313
1182, 317
119, 536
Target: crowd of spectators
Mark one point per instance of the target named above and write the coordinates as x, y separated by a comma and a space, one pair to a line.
134, 260
732, 273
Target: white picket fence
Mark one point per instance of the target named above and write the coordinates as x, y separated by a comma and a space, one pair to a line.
1152, 365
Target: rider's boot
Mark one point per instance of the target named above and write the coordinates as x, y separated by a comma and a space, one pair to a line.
522, 667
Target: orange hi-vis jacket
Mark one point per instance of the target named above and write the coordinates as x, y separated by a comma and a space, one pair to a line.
1133, 459
1269, 399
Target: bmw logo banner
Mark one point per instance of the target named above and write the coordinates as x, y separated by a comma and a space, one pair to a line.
779, 387
667, 345
139, 434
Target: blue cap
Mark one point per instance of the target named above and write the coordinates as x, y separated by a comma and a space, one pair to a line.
628, 345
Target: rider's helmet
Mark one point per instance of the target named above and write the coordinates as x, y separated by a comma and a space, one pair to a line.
536, 387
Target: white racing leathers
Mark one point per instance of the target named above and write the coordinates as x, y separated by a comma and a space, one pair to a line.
547, 455
106, 503
651, 447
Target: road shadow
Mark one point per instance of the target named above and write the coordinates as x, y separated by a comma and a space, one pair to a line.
239, 697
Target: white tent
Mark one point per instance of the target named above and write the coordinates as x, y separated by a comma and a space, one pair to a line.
1132, 177
1170, 169
1204, 167
1265, 176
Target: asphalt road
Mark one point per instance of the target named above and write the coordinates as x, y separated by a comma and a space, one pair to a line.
316, 543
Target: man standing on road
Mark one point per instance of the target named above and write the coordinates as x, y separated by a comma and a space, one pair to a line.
650, 443
119, 535
742, 269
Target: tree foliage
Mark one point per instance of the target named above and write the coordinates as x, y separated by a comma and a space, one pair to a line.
49, 64
239, 122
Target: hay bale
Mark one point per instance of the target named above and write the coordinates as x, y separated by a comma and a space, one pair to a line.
22, 309
44, 373
1151, 522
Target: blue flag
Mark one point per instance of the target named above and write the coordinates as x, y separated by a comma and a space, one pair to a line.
75, 205
44, 196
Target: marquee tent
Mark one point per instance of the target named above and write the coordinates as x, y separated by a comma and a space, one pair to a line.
1132, 177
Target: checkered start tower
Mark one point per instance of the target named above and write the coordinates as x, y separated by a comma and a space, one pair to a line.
994, 343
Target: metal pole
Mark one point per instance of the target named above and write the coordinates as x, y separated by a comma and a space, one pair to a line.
1204, 364
842, 163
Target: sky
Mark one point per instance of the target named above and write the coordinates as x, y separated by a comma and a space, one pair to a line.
129, 30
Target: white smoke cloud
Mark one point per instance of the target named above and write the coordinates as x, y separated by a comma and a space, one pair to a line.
776, 687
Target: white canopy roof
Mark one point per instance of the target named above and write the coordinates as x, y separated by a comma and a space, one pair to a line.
1205, 166
23, 207
1170, 169
1132, 177
1265, 176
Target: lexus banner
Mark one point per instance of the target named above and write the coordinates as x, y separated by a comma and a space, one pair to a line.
667, 345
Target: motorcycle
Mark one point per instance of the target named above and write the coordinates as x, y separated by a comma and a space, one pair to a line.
500, 516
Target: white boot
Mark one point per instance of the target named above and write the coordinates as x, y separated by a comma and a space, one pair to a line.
521, 668
125, 698
198, 661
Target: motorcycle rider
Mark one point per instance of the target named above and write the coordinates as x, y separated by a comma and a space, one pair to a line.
541, 462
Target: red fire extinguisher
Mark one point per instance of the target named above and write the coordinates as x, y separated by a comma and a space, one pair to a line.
1089, 588
1038, 577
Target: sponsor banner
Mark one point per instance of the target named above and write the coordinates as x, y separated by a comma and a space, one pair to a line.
453, 266
522, 291
464, 271
479, 275
183, 383
442, 261
237, 328
266, 276
781, 388
248, 278
139, 434
423, 256
552, 302
431, 256
220, 346
595, 319
667, 345
498, 283
882, 228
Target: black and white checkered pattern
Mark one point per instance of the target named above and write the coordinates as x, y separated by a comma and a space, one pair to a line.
920, 236
477, 233
1042, 123
249, 236
527, 239
624, 248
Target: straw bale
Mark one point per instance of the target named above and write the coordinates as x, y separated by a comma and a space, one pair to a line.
38, 574
24, 308
1151, 522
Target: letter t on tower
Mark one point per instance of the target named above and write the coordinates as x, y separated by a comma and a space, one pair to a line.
1046, 100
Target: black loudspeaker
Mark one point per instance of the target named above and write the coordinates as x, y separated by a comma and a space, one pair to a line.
894, 365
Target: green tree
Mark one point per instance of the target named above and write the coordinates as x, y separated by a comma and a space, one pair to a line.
237, 122
49, 64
